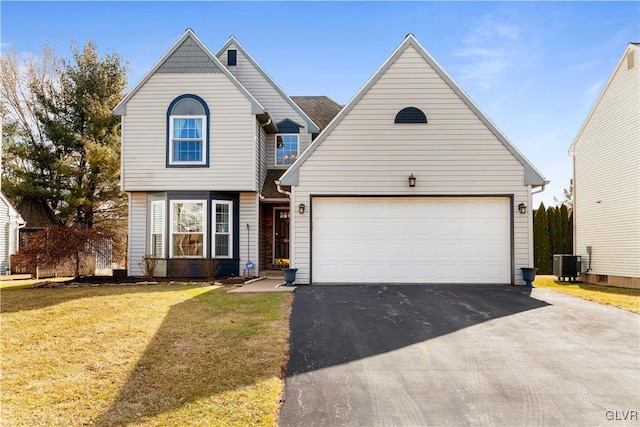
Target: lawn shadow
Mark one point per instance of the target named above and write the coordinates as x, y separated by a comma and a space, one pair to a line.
200, 350
331, 325
605, 289
23, 299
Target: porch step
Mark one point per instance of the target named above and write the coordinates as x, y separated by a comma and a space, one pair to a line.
272, 274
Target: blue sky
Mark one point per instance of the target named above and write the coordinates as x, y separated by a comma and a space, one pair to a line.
535, 68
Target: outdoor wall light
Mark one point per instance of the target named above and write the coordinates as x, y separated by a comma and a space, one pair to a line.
412, 181
301, 208
522, 208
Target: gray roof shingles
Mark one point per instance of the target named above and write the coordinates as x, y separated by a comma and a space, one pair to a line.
269, 189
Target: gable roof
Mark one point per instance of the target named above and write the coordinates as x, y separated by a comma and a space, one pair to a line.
191, 41
531, 174
321, 109
36, 213
630, 46
313, 128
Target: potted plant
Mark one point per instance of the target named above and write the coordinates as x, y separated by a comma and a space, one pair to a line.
289, 276
529, 275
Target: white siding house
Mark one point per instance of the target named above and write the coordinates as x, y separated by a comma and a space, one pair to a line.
606, 159
10, 223
363, 220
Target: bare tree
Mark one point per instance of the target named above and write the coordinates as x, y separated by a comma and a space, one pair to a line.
29, 159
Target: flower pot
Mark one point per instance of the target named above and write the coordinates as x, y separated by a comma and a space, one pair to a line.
289, 276
529, 275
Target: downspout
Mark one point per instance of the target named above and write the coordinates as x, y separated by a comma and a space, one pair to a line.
281, 191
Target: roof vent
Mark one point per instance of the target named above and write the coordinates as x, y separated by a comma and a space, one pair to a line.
631, 59
410, 115
232, 57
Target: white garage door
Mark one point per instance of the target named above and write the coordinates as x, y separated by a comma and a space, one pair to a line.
411, 240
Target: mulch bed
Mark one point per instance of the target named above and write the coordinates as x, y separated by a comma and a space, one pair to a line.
134, 281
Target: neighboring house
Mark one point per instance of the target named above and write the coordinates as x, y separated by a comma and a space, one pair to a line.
37, 216
606, 179
206, 137
10, 223
411, 182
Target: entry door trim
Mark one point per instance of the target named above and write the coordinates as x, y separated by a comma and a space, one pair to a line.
273, 239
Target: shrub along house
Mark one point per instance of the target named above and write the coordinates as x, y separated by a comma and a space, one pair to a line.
206, 137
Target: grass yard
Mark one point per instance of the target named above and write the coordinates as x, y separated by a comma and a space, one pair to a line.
627, 299
163, 355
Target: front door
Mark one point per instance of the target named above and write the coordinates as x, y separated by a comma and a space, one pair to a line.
281, 238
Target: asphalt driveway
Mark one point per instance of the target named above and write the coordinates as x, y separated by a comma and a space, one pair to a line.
411, 355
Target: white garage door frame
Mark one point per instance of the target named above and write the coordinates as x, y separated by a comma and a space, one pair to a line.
509, 198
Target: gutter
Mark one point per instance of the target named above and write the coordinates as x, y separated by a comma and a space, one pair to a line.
541, 188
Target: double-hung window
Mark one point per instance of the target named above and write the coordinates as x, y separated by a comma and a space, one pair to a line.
188, 122
188, 228
187, 139
286, 149
222, 229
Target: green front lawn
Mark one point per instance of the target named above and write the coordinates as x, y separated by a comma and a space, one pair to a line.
627, 299
142, 355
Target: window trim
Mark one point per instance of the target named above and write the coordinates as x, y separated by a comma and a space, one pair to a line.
275, 148
202, 139
204, 228
205, 137
163, 228
214, 233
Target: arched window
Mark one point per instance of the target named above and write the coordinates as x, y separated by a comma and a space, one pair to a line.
410, 115
187, 132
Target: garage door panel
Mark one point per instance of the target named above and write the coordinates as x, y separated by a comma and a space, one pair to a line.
419, 240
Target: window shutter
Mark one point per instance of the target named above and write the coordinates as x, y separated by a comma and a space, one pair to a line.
157, 228
157, 217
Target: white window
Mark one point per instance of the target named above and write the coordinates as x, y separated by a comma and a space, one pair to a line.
188, 228
222, 229
156, 245
187, 136
286, 148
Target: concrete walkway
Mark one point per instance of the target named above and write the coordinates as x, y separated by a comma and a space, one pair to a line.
264, 285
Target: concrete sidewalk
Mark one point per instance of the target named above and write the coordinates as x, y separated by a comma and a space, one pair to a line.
264, 285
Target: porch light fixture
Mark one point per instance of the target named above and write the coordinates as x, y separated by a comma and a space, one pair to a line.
522, 208
412, 181
301, 208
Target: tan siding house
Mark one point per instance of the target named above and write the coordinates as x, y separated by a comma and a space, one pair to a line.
409, 182
469, 181
200, 135
606, 158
